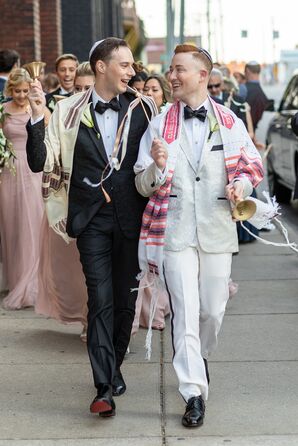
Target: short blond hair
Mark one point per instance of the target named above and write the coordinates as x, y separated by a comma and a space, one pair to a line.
84, 69
198, 53
67, 56
16, 77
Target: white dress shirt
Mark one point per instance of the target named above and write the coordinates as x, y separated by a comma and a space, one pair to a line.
196, 131
107, 124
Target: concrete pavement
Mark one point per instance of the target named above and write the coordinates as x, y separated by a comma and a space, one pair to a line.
46, 384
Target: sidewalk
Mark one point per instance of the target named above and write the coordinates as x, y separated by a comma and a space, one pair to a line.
46, 383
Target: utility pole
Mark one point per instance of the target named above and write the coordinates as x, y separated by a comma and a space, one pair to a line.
182, 15
208, 25
170, 39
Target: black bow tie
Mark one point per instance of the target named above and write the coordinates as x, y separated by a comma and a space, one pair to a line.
200, 114
101, 107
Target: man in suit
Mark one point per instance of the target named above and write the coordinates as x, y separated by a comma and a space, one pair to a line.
200, 159
256, 97
65, 66
104, 218
9, 59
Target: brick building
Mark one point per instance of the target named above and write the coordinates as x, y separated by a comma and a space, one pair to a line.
44, 29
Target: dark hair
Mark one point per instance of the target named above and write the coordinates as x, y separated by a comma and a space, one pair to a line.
68, 56
166, 90
8, 58
198, 53
253, 67
141, 76
104, 50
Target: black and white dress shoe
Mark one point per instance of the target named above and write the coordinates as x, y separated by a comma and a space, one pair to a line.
118, 385
194, 412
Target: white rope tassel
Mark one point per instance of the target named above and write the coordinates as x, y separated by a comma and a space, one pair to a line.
152, 310
291, 245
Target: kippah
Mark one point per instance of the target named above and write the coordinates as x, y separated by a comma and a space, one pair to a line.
94, 46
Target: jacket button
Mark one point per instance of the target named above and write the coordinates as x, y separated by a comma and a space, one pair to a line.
197, 178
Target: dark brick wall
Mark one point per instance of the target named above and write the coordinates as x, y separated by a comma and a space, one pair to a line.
17, 30
50, 32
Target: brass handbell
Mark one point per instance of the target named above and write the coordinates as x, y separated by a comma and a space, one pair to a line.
244, 210
34, 68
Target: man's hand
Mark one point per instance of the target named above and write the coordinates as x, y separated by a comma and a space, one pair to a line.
37, 99
159, 153
234, 191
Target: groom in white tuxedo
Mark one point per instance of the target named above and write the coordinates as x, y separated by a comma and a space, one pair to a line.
194, 160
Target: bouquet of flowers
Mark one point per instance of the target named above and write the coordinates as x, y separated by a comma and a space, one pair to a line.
7, 154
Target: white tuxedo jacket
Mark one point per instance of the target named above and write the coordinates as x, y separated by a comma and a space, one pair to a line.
198, 212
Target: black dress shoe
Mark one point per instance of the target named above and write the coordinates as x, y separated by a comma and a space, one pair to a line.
194, 412
206, 370
118, 385
103, 403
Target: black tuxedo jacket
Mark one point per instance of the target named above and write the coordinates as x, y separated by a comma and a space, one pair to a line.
50, 96
89, 161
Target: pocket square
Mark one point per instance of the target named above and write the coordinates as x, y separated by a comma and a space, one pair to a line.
218, 147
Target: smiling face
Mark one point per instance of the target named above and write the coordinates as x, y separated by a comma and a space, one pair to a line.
19, 94
114, 74
188, 76
153, 88
66, 72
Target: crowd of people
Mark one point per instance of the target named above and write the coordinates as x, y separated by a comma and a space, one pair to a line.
134, 196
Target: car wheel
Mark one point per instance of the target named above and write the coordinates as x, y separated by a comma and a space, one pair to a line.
282, 193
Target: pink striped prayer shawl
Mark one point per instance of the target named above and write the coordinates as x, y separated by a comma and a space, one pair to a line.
238, 163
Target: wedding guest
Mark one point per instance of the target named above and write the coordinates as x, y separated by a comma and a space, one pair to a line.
21, 206
158, 88
50, 82
138, 80
9, 59
65, 66
84, 78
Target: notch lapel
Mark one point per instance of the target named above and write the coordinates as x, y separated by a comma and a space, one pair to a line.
187, 149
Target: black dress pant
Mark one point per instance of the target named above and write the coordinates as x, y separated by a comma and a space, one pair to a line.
110, 265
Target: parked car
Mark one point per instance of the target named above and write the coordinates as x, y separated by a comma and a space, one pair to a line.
282, 161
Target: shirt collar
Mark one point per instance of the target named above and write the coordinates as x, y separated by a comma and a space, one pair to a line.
205, 104
96, 97
62, 91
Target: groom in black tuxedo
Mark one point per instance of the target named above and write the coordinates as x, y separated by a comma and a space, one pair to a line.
106, 232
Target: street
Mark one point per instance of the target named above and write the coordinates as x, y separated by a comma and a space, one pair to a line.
46, 382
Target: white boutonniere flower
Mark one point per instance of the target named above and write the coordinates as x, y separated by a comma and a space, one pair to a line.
214, 126
51, 104
87, 119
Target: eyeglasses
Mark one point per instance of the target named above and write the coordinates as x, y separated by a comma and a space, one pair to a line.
210, 86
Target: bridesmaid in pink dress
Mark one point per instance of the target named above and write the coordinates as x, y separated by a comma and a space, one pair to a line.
21, 206
157, 87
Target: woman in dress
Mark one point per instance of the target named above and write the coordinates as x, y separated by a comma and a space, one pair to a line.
158, 88
21, 205
63, 293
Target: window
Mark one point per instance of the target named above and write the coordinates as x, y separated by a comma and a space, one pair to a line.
290, 97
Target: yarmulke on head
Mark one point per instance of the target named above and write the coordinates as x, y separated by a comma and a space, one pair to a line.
199, 53
102, 50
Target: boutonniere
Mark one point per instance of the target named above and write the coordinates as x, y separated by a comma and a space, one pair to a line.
214, 126
87, 120
51, 104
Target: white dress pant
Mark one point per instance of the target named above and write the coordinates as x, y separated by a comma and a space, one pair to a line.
197, 283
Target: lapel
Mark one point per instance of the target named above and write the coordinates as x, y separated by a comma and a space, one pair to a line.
124, 106
208, 143
93, 133
187, 148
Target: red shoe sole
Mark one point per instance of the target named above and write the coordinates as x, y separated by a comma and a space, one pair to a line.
100, 407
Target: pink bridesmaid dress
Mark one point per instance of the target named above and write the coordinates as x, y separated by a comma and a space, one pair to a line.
21, 213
